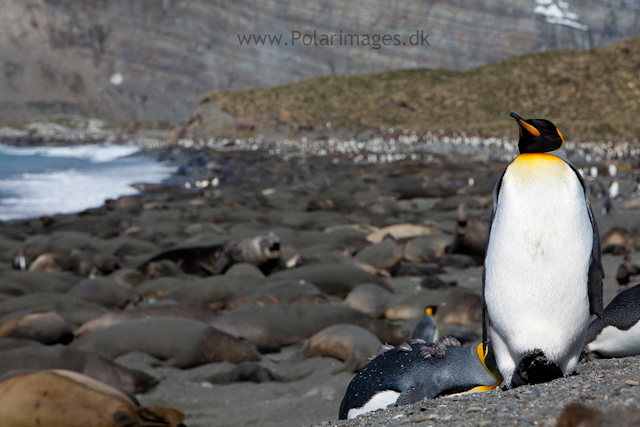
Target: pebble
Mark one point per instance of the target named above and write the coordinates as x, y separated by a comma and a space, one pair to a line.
631, 382
474, 409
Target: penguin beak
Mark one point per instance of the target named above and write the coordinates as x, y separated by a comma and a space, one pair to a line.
524, 125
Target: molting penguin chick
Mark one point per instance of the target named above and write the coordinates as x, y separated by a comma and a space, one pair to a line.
415, 370
427, 327
543, 273
617, 333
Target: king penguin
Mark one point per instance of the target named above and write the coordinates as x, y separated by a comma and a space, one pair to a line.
427, 327
542, 274
617, 333
416, 370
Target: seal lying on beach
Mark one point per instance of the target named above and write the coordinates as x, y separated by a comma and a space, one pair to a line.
59, 398
73, 310
205, 315
183, 343
293, 323
262, 251
349, 343
332, 278
47, 328
105, 292
38, 357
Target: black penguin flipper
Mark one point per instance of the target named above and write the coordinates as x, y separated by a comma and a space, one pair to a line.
596, 272
623, 311
415, 393
594, 330
496, 192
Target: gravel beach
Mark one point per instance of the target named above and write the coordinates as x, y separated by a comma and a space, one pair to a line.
325, 199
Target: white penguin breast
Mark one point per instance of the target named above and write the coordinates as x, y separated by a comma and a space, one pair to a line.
378, 401
538, 259
613, 342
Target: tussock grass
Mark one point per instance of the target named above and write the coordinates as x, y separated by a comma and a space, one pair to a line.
586, 94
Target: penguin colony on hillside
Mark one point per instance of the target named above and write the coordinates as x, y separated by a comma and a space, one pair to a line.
542, 280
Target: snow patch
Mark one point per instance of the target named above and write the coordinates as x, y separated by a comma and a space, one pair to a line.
557, 12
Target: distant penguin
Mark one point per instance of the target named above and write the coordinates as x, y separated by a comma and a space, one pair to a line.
607, 206
593, 172
617, 333
612, 169
19, 262
415, 370
614, 189
543, 273
427, 327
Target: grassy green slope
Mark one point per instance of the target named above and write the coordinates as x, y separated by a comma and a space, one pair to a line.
587, 94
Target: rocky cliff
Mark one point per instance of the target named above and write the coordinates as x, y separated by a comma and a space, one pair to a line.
152, 59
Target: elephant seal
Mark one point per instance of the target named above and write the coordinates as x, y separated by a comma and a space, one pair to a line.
182, 343
626, 271
472, 234
48, 262
369, 299
205, 315
294, 323
48, 328
349, 343
462, 306
401, 231
60, 398
72, 309
211, 290
383, 255
105, 292
332, 278
40, 281
426, 248
127, 277
282, 291
39, 357
262, 251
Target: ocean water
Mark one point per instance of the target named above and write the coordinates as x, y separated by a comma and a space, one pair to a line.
48, 180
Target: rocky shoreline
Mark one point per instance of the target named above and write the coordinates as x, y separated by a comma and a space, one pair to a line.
325, 199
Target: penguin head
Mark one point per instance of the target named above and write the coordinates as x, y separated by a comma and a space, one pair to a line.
537, 135
432, 309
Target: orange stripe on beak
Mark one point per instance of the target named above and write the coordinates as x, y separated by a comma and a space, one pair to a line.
528, 127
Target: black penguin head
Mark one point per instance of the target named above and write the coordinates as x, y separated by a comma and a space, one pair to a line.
537, 135
431, 310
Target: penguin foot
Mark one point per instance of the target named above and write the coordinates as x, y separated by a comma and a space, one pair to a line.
534, 368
